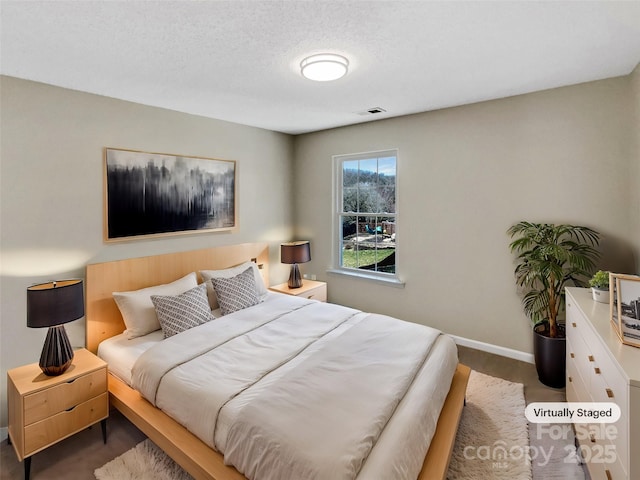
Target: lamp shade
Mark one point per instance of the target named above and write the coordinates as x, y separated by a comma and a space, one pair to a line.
295, 252
54, 303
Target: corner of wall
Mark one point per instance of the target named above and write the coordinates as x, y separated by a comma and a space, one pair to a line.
635, 186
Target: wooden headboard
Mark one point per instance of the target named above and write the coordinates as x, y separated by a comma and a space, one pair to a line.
102, 314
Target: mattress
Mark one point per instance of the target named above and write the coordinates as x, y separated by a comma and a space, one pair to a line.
121, 353
398, 452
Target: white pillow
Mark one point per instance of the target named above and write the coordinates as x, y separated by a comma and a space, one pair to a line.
137, 309
207, 275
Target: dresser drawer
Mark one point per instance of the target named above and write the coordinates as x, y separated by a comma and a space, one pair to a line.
44, 404
575, 323
615, 471
604, 454
580, 354
576, 390
41, 434
621, 440
608, 383
599, 465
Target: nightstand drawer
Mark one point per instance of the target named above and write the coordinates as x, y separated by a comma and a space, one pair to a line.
41, 434
59, 398
318, 293
310, 289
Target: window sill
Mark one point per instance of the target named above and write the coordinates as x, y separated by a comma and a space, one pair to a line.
389, 281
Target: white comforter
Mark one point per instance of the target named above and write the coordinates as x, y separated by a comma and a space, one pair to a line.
330, 387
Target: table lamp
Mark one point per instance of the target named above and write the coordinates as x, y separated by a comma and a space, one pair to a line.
51, 305
294, 253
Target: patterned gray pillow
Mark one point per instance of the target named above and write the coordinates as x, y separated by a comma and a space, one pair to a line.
237, 292
177, 313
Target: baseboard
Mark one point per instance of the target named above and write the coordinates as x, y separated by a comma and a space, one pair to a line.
495, 349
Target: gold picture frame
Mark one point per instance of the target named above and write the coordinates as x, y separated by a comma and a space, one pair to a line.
613, 304
150, 194
625, 307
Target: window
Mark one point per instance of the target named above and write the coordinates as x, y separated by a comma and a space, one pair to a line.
365, 220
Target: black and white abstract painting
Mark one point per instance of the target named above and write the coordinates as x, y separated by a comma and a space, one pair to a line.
163, 194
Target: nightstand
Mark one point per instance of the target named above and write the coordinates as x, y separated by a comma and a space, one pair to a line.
309, 289
44, 410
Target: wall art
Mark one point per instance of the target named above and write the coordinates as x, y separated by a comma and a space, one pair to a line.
155, 194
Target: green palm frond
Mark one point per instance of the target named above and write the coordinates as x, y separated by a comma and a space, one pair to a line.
548, 258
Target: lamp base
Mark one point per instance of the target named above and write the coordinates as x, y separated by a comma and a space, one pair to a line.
57, 353
295, 279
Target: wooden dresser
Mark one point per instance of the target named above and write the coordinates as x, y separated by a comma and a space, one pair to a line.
601, 369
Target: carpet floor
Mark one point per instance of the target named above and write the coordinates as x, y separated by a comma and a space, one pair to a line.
145, 461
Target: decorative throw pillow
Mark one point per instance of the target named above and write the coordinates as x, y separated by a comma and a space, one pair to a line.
207, 275
177, 313
137, 309
237, 292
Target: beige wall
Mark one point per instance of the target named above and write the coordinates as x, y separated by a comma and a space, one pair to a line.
51, 191
635, 211
465, 175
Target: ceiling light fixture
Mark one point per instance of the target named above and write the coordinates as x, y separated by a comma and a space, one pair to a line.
324, 67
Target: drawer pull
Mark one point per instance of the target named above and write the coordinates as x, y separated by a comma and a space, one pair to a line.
592, 437
572, 355
573, 324
591, 359
609, 392
570, 379
597, 370
72, 380
70, 408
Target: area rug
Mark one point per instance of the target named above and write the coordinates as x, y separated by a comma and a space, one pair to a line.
492, 441
493, 438
145, 461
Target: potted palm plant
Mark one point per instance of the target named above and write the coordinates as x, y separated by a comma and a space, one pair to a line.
548, 258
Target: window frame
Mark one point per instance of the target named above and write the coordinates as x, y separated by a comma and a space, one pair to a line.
337, 215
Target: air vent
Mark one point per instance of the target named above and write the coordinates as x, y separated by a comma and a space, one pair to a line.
372, 111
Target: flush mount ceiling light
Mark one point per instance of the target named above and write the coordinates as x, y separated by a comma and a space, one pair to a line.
324, 67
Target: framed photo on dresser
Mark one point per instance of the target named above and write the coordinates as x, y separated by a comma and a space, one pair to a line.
613, 304
625, 307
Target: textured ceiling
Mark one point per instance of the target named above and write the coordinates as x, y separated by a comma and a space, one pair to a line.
239, 60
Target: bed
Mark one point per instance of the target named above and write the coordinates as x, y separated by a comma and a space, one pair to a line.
105, 324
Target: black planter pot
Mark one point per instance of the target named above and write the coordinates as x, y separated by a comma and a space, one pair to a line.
550, 355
